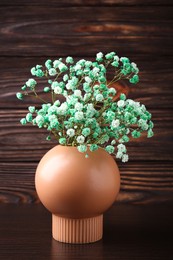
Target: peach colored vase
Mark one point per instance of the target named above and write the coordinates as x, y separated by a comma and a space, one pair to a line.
77, 190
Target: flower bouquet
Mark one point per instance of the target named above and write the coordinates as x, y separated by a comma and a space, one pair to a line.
82, 108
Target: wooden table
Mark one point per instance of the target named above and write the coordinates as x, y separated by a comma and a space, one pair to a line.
130, 233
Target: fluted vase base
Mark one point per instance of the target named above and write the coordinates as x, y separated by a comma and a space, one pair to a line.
77, 231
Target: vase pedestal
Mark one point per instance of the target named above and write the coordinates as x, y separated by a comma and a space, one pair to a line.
77, 231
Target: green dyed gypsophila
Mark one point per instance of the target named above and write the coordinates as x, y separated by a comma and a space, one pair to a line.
81, 107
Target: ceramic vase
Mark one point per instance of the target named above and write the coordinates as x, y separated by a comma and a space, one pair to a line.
77, 191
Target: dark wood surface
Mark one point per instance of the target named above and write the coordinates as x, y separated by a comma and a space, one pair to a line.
130, 233
32, 31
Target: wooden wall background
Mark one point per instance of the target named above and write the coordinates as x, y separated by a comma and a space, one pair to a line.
32, 31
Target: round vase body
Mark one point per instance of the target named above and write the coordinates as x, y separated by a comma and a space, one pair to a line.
77, 190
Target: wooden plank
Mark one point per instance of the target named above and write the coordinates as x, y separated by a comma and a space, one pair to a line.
23, 34
17, 183
154, 89
36, 44
141, 182
87, 3
18, 142
92, 19
32, 31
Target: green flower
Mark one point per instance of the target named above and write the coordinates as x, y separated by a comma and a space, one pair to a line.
113, 142
52, 72
125, 158
102, 79
23, 121
115, 64
99, 56
33, 71
48, 64
99, 97
110, 149
54, 123
50, 81
24, 87
71, 84
58, 90
80, 139
57, 103
62, 67
122, 96
46, 89
134, 67
54, 84
115, 123
121, 148
31, 83
125, 138
65, 77
86, 87
93, 147
150, 133
133, 120
62, 140
88, 63
79, 115
29, 117
78, 93
109, 56
19, 95
82, 148
136, 134
48, 138
86, 131
82, 62
151, 125
69, 60
39, 73
134, 79
95, 135
124, 60
119, 155
104, 139
70, 132
40, 120
112, 91
79, 106
95, 71
126, 69
31, 109
121, 103
56, 63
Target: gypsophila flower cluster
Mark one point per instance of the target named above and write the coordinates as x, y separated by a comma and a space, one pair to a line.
82, 108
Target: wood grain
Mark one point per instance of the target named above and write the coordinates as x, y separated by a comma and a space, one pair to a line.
88, 3
78, 16
25, 46
22, 32
32, 31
